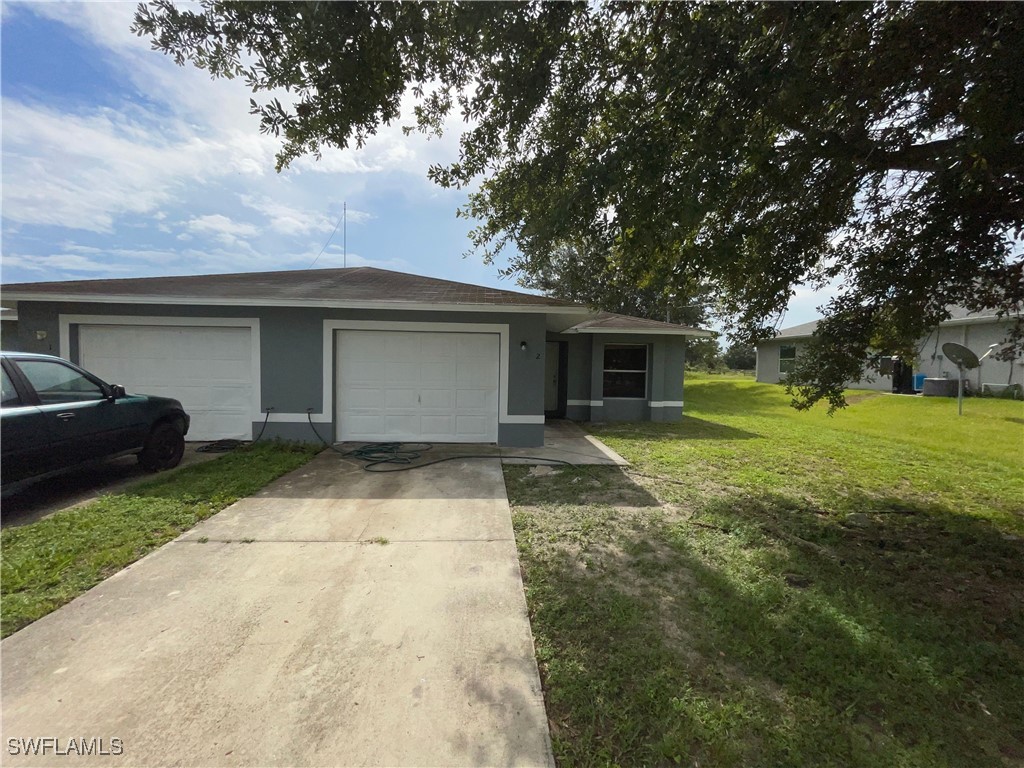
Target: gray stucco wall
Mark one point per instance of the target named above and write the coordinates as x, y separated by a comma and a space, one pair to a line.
291, 354
9, 338
672, 354
666, 357
577, 387
768, 366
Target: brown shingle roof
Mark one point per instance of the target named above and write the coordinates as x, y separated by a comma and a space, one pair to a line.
356, 285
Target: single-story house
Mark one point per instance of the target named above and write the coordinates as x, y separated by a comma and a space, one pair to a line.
776, 358
977, 331
8, 326
359, 354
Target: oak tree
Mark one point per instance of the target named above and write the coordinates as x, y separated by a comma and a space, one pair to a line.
752, 147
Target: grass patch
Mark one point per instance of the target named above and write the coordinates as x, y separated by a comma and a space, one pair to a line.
769, 587
50, 562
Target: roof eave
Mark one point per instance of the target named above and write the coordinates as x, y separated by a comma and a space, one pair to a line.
976, 319
645, 331
321, 303
797, 337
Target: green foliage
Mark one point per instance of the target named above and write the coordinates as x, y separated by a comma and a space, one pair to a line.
595, 276
740, 357
752, 147
50, 562
703, 354
767, 587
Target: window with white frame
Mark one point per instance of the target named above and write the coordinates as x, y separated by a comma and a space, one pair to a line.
625, 370
787, 358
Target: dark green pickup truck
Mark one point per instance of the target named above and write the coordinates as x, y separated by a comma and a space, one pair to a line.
56, 416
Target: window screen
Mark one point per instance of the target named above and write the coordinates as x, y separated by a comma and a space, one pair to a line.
625, 370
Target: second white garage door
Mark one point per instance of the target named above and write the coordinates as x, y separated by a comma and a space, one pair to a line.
417, 386
207, 368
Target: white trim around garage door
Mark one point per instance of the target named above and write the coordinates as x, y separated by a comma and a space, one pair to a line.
326, 415
252, 323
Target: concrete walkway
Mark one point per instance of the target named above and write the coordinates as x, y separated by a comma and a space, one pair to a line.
285, 631
566, 441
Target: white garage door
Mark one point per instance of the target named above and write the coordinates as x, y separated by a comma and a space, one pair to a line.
412, 386
207, 368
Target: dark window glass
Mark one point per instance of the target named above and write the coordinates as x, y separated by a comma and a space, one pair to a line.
59, 383
623, 384
10, 394
625, 370
622, 358
787, 358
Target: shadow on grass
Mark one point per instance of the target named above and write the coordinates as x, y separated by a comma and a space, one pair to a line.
688, 428
576, 486
235, 475
757, 634
1014, 419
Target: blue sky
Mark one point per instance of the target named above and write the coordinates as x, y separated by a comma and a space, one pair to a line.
118, 163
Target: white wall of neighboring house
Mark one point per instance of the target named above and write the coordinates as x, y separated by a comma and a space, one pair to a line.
768, 361
975, 333
976, 336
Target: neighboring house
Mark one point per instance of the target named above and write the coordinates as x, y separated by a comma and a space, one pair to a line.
776, 357
364, 354
978, 332
8, 326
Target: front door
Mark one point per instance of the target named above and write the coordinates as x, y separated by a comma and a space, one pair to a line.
555, 364
551, 377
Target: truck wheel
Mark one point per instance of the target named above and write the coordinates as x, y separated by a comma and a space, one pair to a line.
163, 449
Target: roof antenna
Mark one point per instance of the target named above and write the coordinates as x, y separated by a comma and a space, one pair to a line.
333, 232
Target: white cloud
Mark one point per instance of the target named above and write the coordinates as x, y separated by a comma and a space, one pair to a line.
224, 104
284, 218
64, 262
174, 173
221, 226
334, 257
85, 171
358, 217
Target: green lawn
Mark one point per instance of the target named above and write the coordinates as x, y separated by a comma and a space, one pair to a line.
50, 562
770, 587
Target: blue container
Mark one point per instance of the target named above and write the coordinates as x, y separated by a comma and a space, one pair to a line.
919, 381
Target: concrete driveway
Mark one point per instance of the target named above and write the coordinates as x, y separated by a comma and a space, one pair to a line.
285, 631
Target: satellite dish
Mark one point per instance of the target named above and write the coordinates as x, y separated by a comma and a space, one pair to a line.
960, 355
